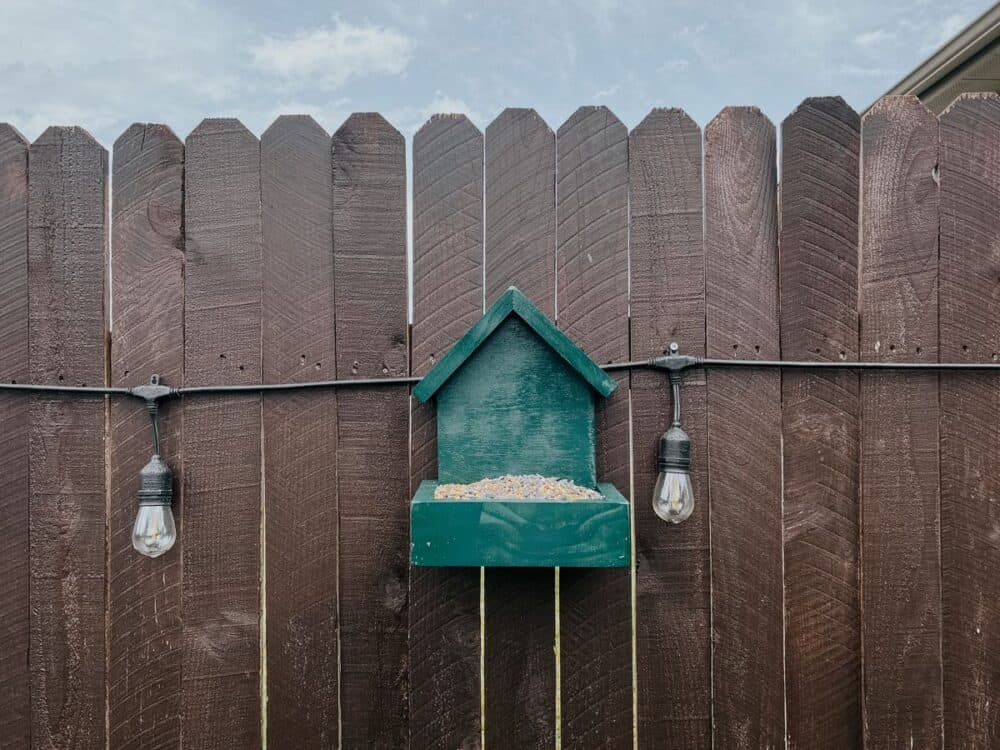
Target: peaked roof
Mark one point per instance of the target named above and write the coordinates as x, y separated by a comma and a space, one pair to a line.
512, 302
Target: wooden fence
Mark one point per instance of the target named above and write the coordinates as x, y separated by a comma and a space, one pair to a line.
838, 585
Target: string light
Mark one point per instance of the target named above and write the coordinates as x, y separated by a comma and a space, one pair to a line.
155, 532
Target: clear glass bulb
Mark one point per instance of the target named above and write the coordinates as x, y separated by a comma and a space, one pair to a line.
154, 531
673, 496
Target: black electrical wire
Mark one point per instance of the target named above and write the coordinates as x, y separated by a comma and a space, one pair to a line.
674, 363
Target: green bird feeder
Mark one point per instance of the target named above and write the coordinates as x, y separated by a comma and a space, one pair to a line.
516, 396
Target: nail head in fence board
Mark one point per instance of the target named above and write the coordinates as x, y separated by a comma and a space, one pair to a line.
820, 416
221, 554
520, 207
300, 466
592, 273
673, 615
970, 408
744, 424
900, 565
145, 635
444, 642
15, 706
369, 215
67, 246
520, 678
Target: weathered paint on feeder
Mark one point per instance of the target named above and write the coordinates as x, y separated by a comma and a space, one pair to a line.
516, 396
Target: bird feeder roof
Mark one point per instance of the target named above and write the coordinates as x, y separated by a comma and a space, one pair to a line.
512, 302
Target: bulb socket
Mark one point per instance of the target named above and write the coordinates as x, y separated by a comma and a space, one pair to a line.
156, 483
675, 451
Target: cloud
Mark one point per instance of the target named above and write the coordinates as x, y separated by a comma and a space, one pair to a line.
331, 56
872, 39
948, 29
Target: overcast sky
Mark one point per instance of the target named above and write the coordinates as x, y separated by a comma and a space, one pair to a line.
105, 64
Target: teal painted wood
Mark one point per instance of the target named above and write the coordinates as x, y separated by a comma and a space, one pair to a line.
516, 408
513, 303
520, 533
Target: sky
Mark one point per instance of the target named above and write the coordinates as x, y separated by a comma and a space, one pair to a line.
105, 64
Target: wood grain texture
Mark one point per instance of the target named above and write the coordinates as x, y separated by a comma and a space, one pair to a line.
444, 626
970, 410
673, 565
67, 245
222, 444
15, 705
147, 274
519, 656
369, 215
300, 453
744, 425
592, 276
900, 565
520, 207
820, 416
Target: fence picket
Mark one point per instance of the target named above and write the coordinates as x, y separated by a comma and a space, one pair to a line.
970, 409
300, 449
147, 276
444, 628
744, 426
900, 523
820, 414
595, 612
15, 704
672, 565
520, 676
67, 246
221, 434
369, 230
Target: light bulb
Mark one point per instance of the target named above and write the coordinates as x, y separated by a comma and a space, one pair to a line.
673, 496
154, 531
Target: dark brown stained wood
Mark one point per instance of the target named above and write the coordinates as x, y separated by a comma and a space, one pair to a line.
15, 705
820, 417
444, 630
520, 207
900, 564
369, 229
300, 448
67, 245
673, 566
145, 638
744, 426
222, 444
595, 612
970, 414
520, 669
